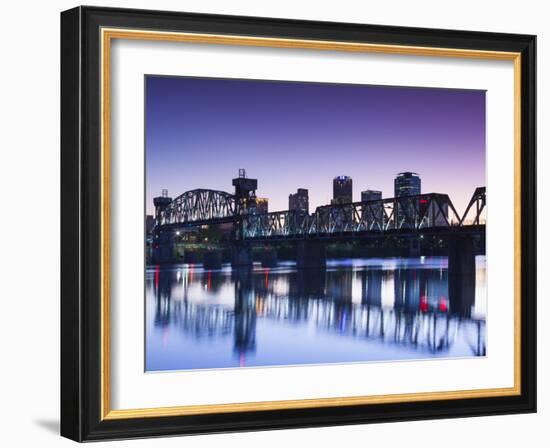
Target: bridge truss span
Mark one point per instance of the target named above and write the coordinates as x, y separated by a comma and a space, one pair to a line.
433, 212
475, 208
198, 206
394, 215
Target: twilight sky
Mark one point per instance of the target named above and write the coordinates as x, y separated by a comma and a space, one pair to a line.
200, 131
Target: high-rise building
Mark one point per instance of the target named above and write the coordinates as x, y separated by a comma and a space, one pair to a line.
342, 190
372, 214
299, 201
407, 184
371, 195
260, 206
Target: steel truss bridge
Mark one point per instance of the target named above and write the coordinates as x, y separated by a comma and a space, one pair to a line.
420, 213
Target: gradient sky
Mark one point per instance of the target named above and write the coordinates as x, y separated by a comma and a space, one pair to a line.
288, 135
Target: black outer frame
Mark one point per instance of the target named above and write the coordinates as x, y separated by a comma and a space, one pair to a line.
81, 207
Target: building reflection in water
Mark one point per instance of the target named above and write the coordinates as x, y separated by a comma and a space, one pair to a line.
355, 310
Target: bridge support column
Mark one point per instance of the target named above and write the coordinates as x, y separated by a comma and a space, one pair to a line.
190, 257
212, 259
311, 254
245, 313
269, 257
163, 248
241, 256
414, 247
462, 275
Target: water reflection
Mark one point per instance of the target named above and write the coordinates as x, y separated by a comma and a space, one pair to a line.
355, 310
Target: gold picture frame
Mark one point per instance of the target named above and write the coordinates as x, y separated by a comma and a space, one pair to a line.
517, 49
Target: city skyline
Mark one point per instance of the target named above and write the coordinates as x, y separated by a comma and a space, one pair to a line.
309, 131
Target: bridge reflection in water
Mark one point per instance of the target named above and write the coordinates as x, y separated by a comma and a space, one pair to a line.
352, 311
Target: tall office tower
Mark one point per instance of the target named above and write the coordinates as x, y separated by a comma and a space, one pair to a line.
299, 201
260, 206
407, 184
371, 195
342, 190
373, 214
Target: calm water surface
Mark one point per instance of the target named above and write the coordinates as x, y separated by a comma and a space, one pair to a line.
356, 310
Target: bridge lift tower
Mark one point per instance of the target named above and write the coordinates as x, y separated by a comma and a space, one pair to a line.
245, 190
161, 202
245, 197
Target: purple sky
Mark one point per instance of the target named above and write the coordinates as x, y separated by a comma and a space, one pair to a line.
200, 131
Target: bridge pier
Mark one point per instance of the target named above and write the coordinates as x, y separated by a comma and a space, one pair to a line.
269, 257
371, 286
190, 257
163, 248
241, 256
310, 283
311, 255
414, 247
245, 313
212, 259
462, 274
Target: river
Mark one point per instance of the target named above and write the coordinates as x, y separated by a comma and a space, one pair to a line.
355, 310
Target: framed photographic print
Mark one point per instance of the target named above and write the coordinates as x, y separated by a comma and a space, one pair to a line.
274, 224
